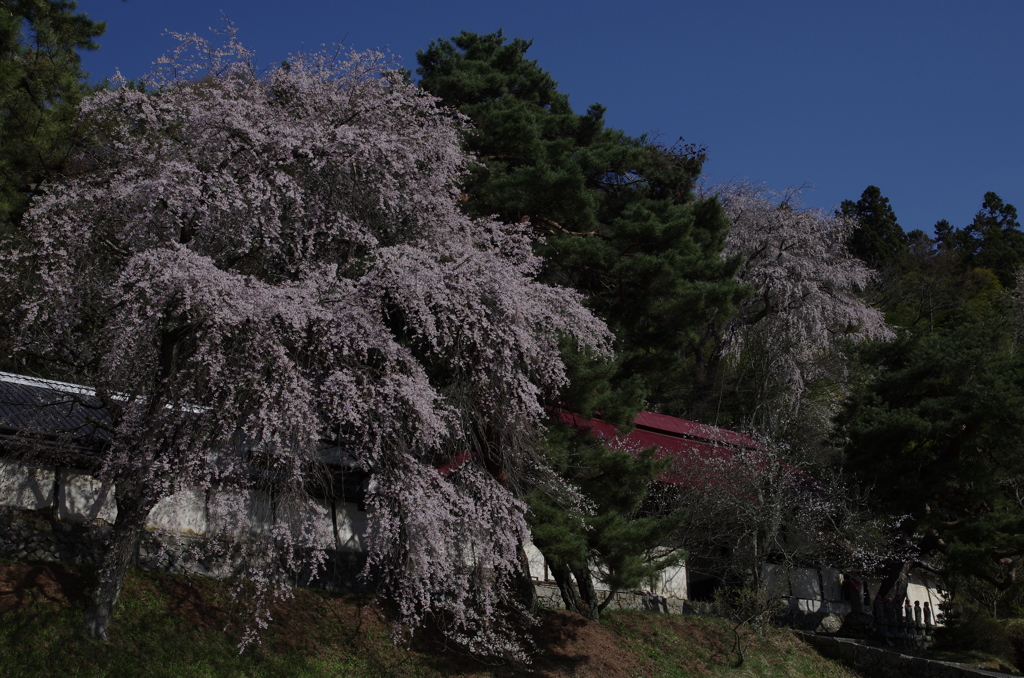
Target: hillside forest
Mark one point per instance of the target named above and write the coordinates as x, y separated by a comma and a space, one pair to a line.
430, 265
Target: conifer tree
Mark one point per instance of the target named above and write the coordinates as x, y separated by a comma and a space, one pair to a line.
41, 83
877, 239
935, 429
993, 240
617, 534
615, 218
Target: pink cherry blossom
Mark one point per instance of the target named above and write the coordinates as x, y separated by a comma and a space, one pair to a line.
247, 263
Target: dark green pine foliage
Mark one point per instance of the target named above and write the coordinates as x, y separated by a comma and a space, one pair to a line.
932, 290
615, 216
878, 240
939, 435
620, 538
41, 83
993, 240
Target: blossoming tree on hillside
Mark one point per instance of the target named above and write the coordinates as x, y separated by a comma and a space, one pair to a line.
248, 262
784, 343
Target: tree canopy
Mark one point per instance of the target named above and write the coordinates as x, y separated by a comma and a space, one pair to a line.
41, 83
614, 216
877, 239
261, 260
935, 427
993, 240
780, 364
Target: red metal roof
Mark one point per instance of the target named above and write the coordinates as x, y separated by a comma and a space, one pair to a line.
689, 443
662, 423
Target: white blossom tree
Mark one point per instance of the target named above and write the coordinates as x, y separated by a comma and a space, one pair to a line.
245, 262
805, 300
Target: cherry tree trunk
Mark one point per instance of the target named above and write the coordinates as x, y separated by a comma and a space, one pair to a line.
132, 510
525, 591
895, 578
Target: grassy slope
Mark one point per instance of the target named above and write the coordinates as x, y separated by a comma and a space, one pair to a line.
173, 626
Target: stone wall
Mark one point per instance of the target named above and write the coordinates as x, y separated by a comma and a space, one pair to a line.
30, 535
549, 596
879, 662
37, 535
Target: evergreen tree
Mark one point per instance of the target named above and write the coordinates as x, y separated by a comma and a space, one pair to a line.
993, 240
877, 240
938, 436
1000, 242
936, 431
41, 83
615, 218
620, 539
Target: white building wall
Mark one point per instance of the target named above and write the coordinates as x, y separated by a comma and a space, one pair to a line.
805, 583
538, 571
83, 499
351, 532
922, 589
184, 512
26, 487
776, 580
672, 582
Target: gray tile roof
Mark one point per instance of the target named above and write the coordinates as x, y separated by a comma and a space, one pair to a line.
51, 409
57, 411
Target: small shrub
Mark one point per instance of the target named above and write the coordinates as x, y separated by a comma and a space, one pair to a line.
972, 627
1015, 637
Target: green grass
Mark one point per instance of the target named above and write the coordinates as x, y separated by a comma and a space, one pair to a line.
686, 646
175, 626
172, 626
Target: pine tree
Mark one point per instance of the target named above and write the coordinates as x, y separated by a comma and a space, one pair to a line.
41, 83
615, 218
993, 240
622, 540
877, 240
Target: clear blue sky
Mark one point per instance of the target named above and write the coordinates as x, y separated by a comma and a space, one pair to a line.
924, 99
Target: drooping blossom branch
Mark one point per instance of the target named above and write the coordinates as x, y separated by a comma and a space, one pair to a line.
806, 299
242, 262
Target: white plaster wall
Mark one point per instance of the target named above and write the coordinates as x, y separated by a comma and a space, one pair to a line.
26, 487
672, 582
921, 588
805, 583
323, 530
833, 580
536, 560
238, 516
184, 512
351, 532
83, 499
776, 579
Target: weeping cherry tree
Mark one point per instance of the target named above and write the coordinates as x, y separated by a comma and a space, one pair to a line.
785, 341
243, 263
